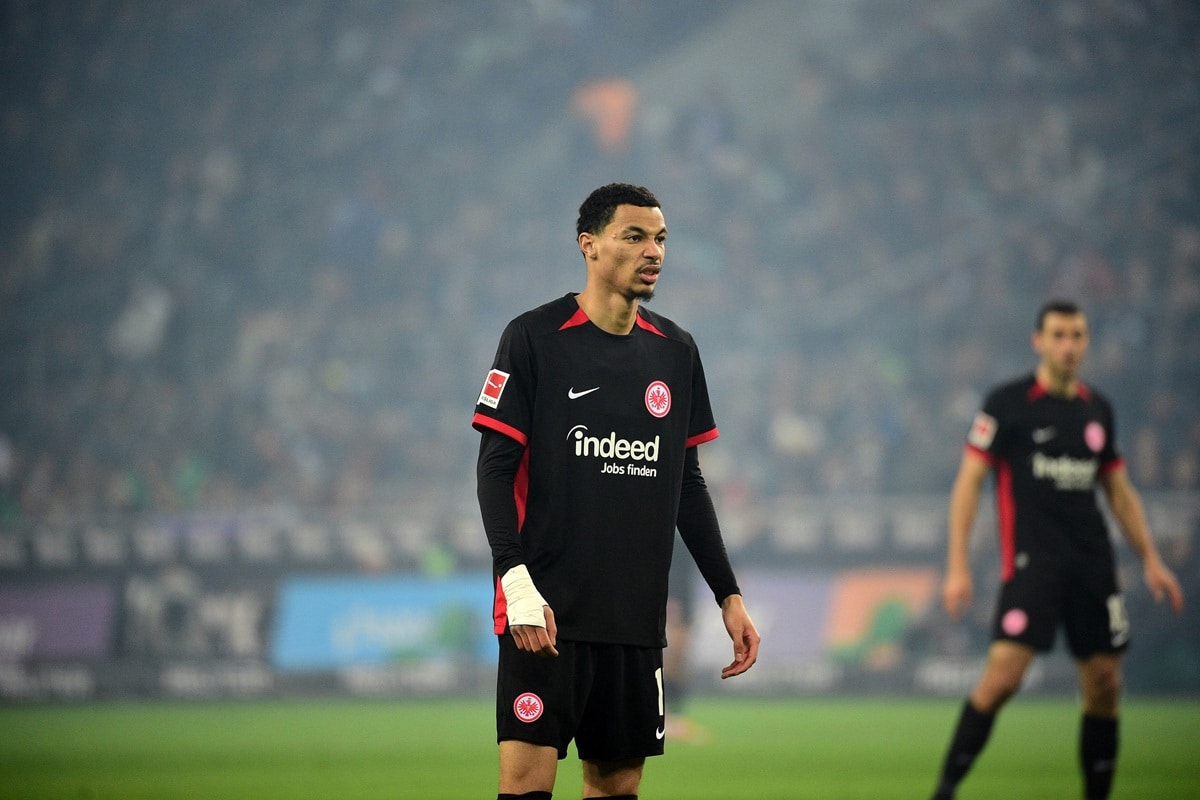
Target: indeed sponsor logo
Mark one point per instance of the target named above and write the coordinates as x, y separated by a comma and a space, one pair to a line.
611, 447
1066, 472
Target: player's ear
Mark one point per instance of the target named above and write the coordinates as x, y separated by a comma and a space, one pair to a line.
587, 244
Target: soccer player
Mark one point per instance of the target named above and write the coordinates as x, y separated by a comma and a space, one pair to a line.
1049, 440
590, 419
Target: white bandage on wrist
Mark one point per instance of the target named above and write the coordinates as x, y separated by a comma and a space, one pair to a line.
524, 602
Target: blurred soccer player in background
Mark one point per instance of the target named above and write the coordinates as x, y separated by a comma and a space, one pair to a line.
590, 418
1049, 440
677, 667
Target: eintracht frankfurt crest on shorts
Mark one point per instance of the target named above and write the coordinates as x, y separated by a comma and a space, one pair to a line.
528, 707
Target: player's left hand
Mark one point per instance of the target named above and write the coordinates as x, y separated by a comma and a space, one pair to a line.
743, 633
1162, 583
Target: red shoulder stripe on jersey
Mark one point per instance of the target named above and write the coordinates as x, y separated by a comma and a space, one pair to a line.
578, 318
1109, 466
1083, 391
1036, 391
1006, 512
481, 421
642, 323
984, 454
701, 438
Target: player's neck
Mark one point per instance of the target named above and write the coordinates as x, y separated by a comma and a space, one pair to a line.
611, 312
1057, 384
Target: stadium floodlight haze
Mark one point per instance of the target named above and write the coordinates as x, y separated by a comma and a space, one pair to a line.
253, 258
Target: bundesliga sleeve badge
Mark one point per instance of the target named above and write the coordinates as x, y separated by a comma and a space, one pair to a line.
493, 387
983, 431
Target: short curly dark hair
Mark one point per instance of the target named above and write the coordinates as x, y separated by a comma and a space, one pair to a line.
601, 205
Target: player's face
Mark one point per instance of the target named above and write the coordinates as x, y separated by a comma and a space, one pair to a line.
1062, 343
627, 256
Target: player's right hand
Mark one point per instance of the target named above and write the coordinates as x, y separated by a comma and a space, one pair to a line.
530, 618
957, 593
535, 639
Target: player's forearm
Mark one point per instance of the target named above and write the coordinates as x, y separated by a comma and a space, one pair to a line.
495, 473
701, 532
1130, 514
964, 502
499, 512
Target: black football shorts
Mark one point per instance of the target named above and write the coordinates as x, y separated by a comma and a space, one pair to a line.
606, 697
1081, 596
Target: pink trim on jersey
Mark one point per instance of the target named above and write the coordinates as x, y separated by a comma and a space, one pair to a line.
984, 454
578, 318
1038, 390
701, 438
643, 324
521, 496
1006, 512
499, 610
521, 488
481, 421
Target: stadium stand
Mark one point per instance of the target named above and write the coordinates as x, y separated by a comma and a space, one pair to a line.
253, 256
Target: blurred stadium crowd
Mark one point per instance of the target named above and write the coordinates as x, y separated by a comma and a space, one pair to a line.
255, 257
259, 254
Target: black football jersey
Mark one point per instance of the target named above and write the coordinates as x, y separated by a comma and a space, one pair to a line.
1046, 453
606, 421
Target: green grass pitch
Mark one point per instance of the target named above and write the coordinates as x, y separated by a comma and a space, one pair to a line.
794, 748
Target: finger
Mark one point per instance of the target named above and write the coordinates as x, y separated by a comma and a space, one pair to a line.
1176, 598
545, 644
740, 664
530, 638
735, 668
748, 660
957, 603
951, 603
743, 657
739, 658
527, 639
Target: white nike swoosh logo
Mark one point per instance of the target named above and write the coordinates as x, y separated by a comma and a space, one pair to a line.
660, 733
572, 394
1043, 435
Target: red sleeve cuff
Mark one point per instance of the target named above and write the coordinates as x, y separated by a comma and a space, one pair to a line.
482, 421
